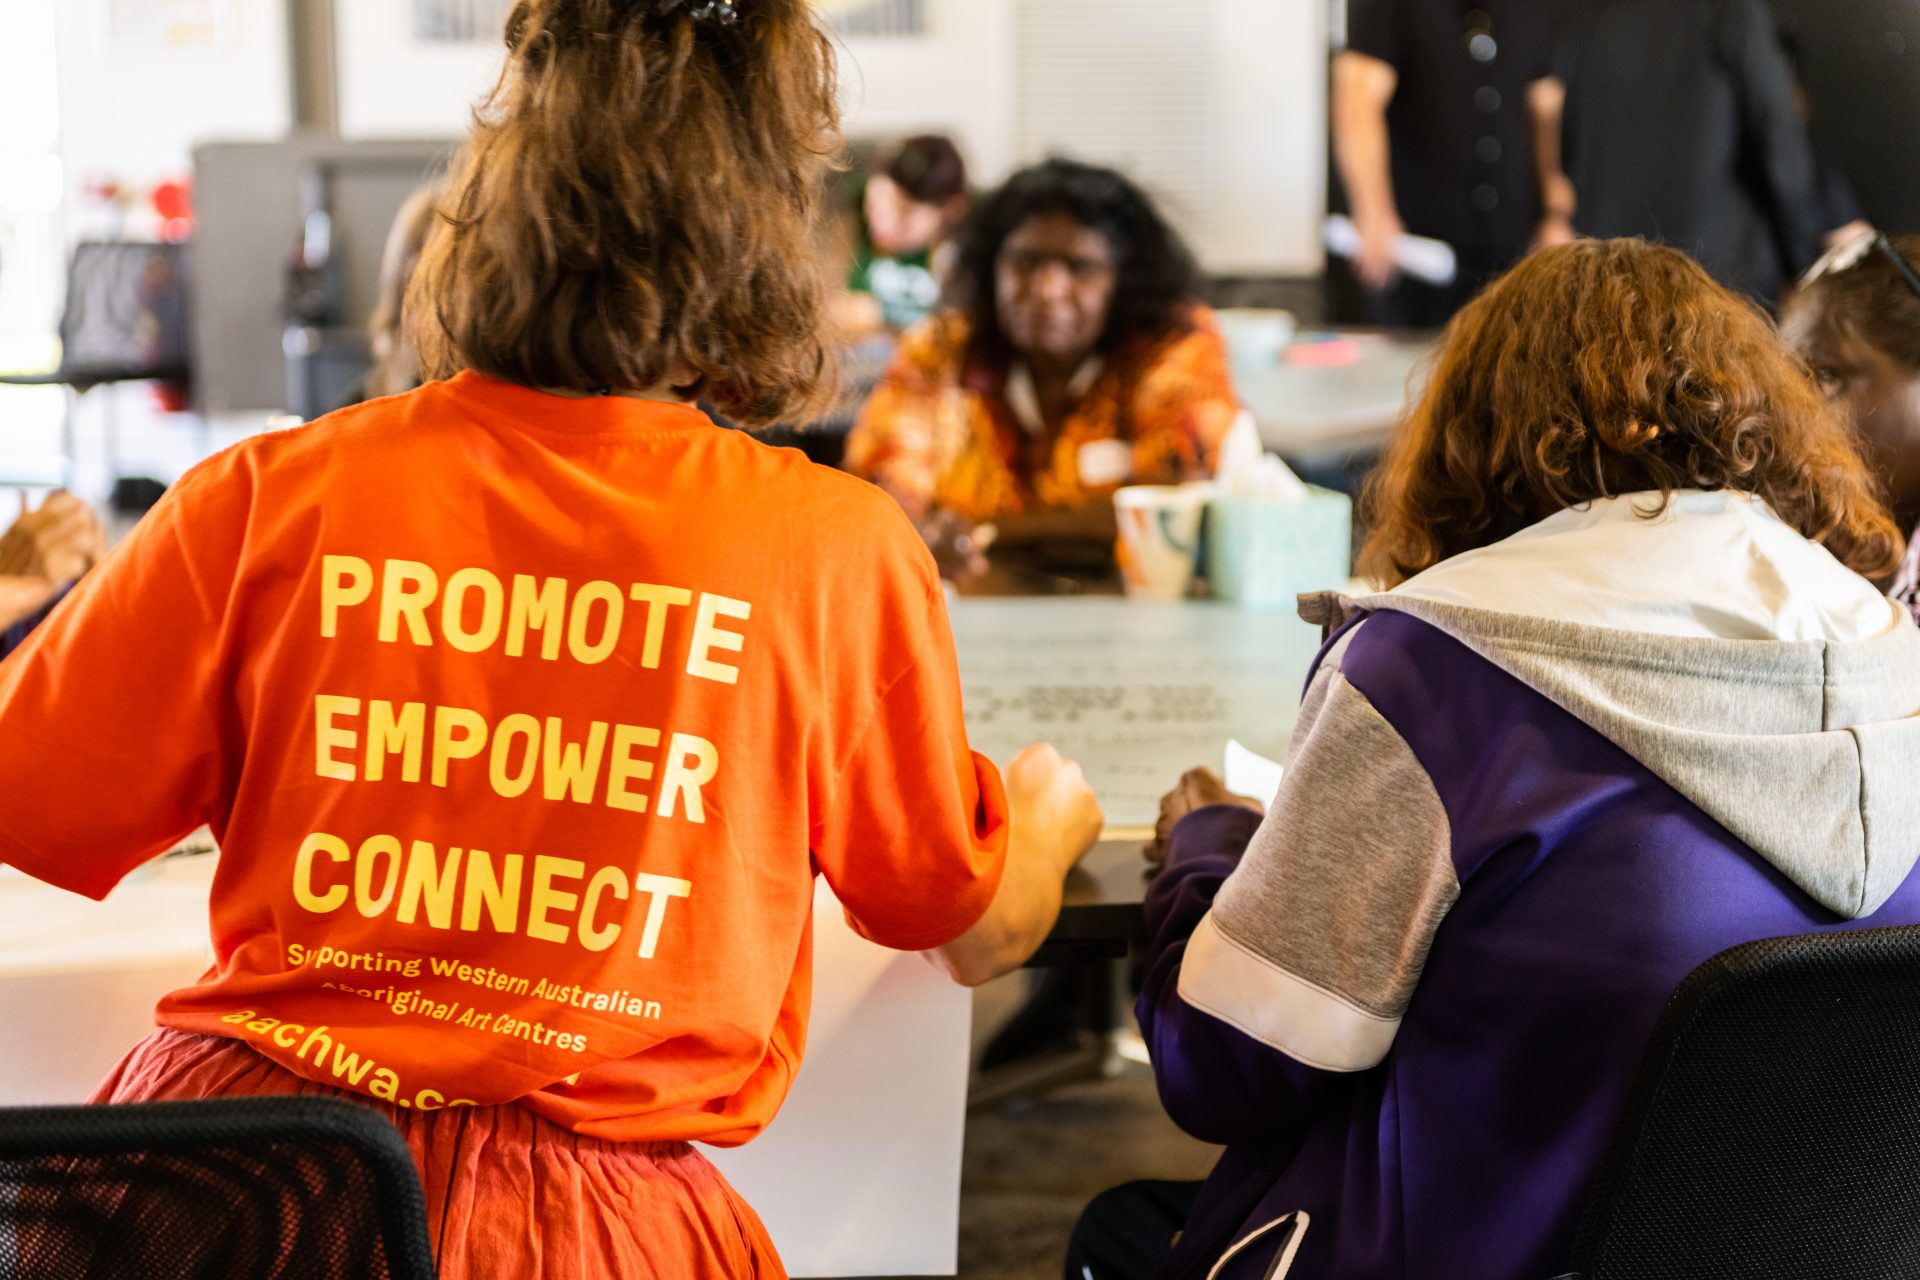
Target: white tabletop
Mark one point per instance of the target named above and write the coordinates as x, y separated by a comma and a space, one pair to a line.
158, 913
1137, 692
1306, 409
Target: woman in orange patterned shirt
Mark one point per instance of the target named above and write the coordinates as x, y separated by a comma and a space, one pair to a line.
1077, 358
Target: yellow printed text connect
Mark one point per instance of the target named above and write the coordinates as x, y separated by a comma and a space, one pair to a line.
553, 899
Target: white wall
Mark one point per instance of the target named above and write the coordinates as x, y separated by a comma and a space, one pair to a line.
959, 81
1272, 59
30, 190
394, 86
31, 251
1267, 105
1266, 109
137, 111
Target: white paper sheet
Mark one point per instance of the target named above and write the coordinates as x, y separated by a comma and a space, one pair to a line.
1138, 693
1249, 773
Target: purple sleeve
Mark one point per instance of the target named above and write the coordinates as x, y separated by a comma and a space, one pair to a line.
15, 636
1216, 1082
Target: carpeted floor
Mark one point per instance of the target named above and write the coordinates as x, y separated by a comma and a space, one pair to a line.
1031, 1166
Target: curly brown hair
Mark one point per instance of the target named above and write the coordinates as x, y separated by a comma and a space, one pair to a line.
1604, 368
635, 206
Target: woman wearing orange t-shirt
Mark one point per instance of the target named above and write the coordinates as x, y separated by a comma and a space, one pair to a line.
527, 705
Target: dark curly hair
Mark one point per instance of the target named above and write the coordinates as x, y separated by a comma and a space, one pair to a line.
637, 200
1869, 302
1604, 368
1156, 278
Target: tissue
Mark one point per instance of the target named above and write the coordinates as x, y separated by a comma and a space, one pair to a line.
1246, 470
1271, 537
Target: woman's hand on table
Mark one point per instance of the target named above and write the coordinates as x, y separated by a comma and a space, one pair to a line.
1198, 789
1053, 820
1053, 810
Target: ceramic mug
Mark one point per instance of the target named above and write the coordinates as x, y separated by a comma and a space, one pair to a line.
1160, 537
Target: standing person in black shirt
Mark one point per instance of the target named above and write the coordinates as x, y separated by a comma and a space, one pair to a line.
1446, 122
1683, 125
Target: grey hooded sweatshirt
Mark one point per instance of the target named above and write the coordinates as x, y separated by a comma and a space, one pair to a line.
1530, 790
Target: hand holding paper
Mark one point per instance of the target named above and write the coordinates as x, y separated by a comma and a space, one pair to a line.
1251, 774
1431, 261
1203, 788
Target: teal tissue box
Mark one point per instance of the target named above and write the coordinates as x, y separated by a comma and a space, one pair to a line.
1268, 553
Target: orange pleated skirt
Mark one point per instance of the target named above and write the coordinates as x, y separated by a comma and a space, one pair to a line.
509, 1194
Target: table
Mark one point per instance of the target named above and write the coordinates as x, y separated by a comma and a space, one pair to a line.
1313, 411
84, 975
1137, 692
1102, 918
1101, 912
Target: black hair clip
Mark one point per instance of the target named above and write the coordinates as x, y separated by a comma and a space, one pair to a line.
724, 12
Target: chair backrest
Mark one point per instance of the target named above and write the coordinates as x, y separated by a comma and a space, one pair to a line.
126, 314
285, 1187
1774, 1129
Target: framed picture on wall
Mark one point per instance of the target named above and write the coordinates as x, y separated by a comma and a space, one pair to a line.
467, 21
459, 21
877, 17
470, 21
169, 24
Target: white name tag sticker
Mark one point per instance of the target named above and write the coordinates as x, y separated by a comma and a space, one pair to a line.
1105, 462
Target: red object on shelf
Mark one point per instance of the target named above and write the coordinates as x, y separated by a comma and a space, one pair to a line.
173, 201
172, 396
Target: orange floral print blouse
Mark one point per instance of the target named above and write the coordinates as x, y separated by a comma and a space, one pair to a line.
946, 432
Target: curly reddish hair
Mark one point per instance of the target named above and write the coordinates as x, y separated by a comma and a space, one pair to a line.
636, 205
1605, 368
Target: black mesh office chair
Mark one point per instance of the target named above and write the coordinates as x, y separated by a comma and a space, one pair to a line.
269, 1188
1774, 1129
125, 318
125, 321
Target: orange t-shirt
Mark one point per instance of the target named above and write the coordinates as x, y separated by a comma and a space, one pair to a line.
524, 723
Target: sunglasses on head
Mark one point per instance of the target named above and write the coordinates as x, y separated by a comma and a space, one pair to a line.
1846, 257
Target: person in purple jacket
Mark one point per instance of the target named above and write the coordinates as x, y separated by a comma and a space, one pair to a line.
1628, 702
